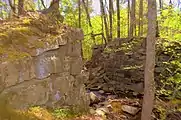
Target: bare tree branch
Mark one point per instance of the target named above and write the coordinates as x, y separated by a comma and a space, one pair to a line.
42, 2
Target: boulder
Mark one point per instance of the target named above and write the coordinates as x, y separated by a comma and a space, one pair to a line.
42, 67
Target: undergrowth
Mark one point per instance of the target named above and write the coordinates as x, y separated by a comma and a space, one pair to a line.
36, 113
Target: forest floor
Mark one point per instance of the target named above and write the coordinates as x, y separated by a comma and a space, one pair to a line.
102, 107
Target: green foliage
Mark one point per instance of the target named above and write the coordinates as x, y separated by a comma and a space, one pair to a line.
88, 41
171, 76
162, 112
170, 24
65, 113
3, 12
2, 4
69, 10
97, 28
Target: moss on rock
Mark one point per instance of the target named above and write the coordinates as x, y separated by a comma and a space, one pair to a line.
20, 36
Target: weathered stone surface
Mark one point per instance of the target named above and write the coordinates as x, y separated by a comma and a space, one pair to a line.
129, 109
16, 72
51, 75
27, 93
102, 111
93, 97
76, 66
47, 63
9, 79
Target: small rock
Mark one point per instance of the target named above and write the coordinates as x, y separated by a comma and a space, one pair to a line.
105, 103
137, 87
159, 69
105, 88
123, 117
109, 107
108, 93
101, 91
142, 58
101, 85
102, 111
111, 89
94, 88
135, 93
96, 105
112, 96
129, 109
93, 97
105, 109
92, 111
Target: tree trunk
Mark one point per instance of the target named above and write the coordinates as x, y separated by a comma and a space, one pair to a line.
89, 20
1, 13
149, 90
102, 26
20, 7
118, 19
110, 17
161, 8
140, 28
160, 4
53, 8
79, 7
14, 4
105, 20
87, 13
170, 2
132, 19
55, 4
87, 3
128, 22
13, 9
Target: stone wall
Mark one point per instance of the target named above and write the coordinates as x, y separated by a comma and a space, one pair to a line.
49, 76
118, 70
